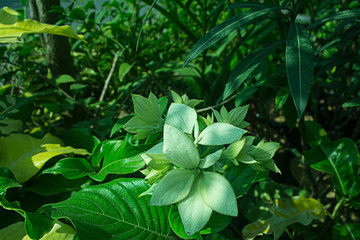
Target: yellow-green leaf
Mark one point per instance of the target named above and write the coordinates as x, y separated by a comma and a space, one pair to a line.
25, 155
16, 231
286, 212
11, 29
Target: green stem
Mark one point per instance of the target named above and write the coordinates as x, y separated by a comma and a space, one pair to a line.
336, 209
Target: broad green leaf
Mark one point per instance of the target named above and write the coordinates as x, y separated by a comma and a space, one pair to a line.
71, 168
246, 66
315, 134
210, 159
177, 226
114, 211
174, 187
286, 212
193, 211
59, 231
299, 65
337, 16
339, 159
8, 16
217, 193
8, 126
147, 109
10, 32
264, 150
220, 134
142, 128
237, 115
220, 31
116, 157
37, 225
124, 69
179, 148
7, 180
182, 117
25, 155
346, 231
81, 138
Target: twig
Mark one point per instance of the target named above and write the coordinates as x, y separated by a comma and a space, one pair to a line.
217, 105
107, 81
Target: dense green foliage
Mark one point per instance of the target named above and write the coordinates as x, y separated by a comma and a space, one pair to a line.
185, 120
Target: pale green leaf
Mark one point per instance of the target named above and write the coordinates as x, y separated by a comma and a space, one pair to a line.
25, 155
218, 194
124, 69
237, 115
299, 65
182, 117
193, 211
10, 32
263, 150
234, 149
174, 187
147, 109
210, 159
65, 78
286, 212
220, 134
179, 148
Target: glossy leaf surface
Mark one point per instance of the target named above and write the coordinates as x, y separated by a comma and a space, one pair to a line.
71, 168
182, 117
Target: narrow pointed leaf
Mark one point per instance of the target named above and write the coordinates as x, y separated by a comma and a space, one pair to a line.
174, 187
179, 148
182, 117
193, 211
299, 66
220, 134
218, 194
114, 211
337, 16
220, 31
246, 66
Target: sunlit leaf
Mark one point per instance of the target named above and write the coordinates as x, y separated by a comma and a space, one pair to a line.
220, 134
182, 117
174, 187
299, 65
8, 16
210, 159
217, 193
286, 212
25, 155
114, 211
179, 148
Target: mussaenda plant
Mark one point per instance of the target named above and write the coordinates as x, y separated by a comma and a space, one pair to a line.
188, 167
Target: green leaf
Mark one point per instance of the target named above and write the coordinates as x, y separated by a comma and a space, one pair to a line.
7, 180
71, 168
10, 32
299, 65
234, 149
59, 231
281, 97
339, 159
220, 134
220, 31
8, 16
147, 109
351, 103
315, 134
182, 117
264, 150
210, 159
114, 211
174, 187
64, 79
337, 16
81, 138
246, 66
26, 161
286, 212
179, 148
237, 115
193, 211
217, 193
37, 225
177, 226
346, 231
116, 157
8, 126
124, 69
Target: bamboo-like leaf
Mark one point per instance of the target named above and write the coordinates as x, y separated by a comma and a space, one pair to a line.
337, 16
114, 211
223, 29
246, 66
299, 65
